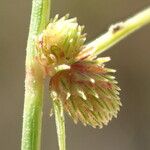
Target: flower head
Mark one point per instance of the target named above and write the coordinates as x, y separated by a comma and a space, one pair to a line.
60, 42
87, 89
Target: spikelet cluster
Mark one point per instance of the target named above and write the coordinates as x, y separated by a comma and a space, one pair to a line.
87, 89
60, 42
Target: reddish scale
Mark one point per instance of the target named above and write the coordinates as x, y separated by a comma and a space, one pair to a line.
85, 82
106, 85
54, 82
83, 67
79, 67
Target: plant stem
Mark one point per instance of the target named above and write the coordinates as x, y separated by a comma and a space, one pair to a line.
33, 104
119, 31
60, 124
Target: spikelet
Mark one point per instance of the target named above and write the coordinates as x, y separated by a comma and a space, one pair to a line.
87, 89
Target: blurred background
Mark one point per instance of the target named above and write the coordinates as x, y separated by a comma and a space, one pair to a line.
131, 58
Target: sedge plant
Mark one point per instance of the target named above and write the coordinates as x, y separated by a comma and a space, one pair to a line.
79, 82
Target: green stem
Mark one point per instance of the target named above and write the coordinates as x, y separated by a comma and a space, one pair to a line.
60, 124
119, 31
33, 104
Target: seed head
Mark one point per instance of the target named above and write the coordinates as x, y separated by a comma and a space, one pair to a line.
87, 89
60, 42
